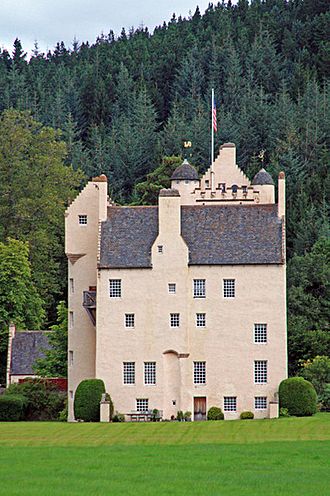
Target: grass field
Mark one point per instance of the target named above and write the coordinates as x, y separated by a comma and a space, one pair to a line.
268, 457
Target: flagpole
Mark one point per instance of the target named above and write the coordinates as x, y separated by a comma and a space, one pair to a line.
212, 143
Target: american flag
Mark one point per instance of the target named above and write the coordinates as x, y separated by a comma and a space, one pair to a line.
214, 117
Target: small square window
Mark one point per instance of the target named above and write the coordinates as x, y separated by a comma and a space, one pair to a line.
129, 319
260, 371
172, 288
199, 288
229, 288
199, 372
175, 320
70, 358
260, 333
230, 404
160, 248
150, 373
129, 372
200, 320
115, 288
260, 402
142, 405
82, 219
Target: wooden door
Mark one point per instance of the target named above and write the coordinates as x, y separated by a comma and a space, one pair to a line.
200, 408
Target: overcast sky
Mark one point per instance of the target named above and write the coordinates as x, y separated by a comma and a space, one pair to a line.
49, 21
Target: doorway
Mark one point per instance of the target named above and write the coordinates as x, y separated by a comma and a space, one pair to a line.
200, 408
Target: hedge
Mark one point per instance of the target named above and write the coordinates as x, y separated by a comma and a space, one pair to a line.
12, 407
246, 415
87, 400
215, 413
298, 396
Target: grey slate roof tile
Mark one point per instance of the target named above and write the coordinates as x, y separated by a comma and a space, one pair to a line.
214, 234
27, 347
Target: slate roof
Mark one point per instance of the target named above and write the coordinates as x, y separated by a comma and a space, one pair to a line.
214, 234
262, 177
27, 347
185, 171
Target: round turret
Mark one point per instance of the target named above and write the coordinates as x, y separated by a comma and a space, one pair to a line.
185, 172
262, 177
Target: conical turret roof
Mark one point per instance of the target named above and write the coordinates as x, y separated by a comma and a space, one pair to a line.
262, 177
185, 171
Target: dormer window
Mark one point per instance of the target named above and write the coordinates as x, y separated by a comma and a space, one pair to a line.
207, 183
82, 219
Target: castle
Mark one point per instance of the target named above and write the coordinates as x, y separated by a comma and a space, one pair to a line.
181, 306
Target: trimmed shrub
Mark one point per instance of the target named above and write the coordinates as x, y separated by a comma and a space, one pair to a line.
246, 416
12, 407
284, 412
43, 399
215, 413
298, 396
87, 400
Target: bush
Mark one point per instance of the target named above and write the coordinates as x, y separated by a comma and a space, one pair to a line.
246, 416
298, 396
87, 400
284, 412
43, 399
118, 417
215, 413
12, 407
63, 415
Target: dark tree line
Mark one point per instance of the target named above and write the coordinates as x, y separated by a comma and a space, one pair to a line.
124, 103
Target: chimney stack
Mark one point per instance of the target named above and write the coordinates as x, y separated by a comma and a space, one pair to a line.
281, 194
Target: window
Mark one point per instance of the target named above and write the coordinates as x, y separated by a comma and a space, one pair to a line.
82, 219
71, 319
172, 288
115, 288
260, 402
160, 248
260, 333
200, 319
175, 320
199, 288
199, 372
260, 371
129, 320
71, 285
129, 372
207, 183
229, 288
149, 372
229, 404
71, 394
142, 405
70, 358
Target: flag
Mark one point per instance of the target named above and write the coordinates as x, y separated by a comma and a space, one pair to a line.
214, 117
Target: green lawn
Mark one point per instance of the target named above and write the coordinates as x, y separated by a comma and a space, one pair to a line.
267, 457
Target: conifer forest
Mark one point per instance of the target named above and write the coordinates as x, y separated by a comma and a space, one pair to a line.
123, 106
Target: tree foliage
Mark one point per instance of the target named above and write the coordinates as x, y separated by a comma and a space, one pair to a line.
54, 363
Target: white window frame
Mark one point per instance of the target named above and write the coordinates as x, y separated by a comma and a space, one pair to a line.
129, 373
129, 320
200, 373
174, 320
260, 403
149, 373
201, 320
229, 288
142, 405
82, 219
115, 288
260, 371
260, 334
230, 404
199, 288
171, 287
